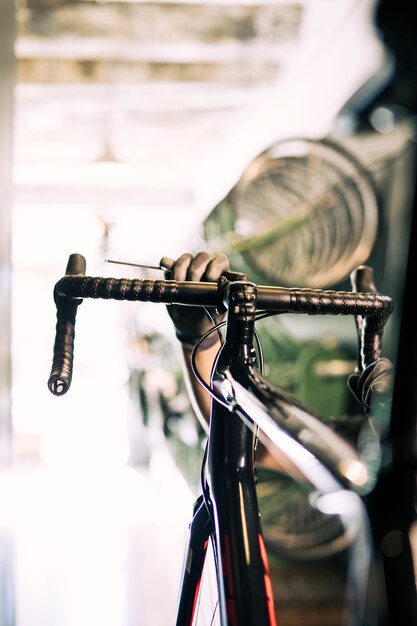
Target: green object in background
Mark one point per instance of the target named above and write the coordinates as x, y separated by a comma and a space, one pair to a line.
314, 369
323, 370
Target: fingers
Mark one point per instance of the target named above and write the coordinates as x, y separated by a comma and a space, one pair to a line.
377, 380
166, 263
217, 266
200, 267
180, 267
374, 382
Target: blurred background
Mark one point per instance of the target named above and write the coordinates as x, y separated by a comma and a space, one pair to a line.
131, 130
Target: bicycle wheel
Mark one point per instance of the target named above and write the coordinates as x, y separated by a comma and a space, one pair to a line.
303, 213
207, 604
292, 527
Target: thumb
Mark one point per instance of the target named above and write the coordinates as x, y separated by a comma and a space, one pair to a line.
166, 263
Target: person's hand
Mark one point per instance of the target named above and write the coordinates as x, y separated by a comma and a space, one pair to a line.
374, 383
192, 322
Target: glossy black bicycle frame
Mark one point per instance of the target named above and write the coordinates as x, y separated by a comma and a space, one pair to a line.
229, 510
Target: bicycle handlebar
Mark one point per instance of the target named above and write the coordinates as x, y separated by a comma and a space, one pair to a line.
66, 311
70, 290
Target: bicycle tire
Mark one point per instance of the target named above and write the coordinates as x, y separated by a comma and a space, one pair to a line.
304, 212
293, 528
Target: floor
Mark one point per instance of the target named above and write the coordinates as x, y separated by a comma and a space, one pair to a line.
86, 548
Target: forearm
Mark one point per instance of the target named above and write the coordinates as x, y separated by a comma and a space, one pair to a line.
191, 323
200, 397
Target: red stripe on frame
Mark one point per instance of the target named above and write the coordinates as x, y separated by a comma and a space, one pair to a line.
268, 585
197, 589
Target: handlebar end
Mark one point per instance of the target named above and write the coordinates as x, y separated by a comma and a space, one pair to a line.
58, 385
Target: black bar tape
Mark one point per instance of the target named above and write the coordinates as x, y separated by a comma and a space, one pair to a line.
370, 329
306, 301
161, 291
317, 302
62, 363
323, 302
